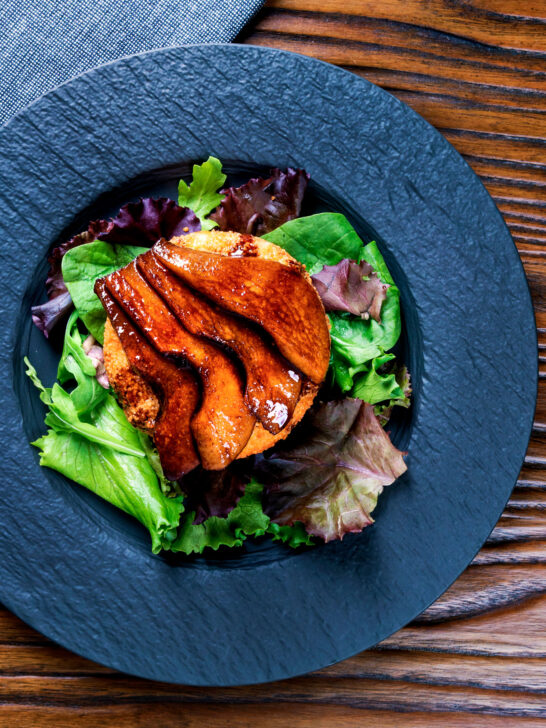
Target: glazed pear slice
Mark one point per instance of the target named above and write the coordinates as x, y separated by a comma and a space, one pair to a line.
223, 424
278, 297
272, 384
177, 388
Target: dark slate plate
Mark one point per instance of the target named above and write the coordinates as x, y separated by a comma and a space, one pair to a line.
82, 573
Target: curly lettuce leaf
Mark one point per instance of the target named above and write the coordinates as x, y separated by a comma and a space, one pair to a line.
106, 455
246, 519
262, 204
214, 492
81, 268
146, 221
293, 536
378, 383
356, 340
333, 253
383, 411
202, 195
352, 287
125, 481
62, 417
330, 475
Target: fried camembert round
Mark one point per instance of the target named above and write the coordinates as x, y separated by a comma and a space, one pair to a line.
226, 312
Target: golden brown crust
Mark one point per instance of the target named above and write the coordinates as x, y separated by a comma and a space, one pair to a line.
137, 398
261, 439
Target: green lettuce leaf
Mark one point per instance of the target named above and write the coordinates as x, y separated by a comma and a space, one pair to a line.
126, 481
104, 453
357, 341
246, 519
383, 411
293, 536
375, 385
318, 240
202, 195
63, 417
325, 240
75, 364
82, 266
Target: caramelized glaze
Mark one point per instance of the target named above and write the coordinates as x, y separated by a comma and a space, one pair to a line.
177, 388
272, 385
223, 424
275, 296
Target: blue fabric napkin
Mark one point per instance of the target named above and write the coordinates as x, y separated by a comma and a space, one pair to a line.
46, 42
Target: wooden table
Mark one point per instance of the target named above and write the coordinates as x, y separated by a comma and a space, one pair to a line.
477, 71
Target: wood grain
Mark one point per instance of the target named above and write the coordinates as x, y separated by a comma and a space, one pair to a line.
476, 69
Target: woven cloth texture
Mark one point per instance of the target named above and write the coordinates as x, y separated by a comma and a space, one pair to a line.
44, 43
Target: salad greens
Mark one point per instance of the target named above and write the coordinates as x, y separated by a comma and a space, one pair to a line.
327, 239
90, 441
202, 195
351, 287
145, 221
329, 476
262, 204
82, 266
246, 519
318, 240
378, 382
324, 480
104, 453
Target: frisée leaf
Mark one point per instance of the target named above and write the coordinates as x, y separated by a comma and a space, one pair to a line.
246, 519
202, 195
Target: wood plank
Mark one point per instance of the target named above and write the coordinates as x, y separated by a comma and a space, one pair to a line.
364, 59
483, 588
516, 630
363, 692
368, 45
507, 26
498, 673
200, 715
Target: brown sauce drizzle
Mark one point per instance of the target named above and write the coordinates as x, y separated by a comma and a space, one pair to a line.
177, 388
275, 296
223, 424
272, 384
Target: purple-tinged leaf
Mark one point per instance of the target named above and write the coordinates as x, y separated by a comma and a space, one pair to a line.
261, 204
353, 287
54, 283
146, 221
214, 492
330, 475
46, 315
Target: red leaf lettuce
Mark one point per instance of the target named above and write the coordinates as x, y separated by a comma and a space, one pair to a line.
146, 221
330, 476
353, 287
261, 204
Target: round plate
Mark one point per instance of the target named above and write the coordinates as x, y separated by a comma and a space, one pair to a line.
83, 574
